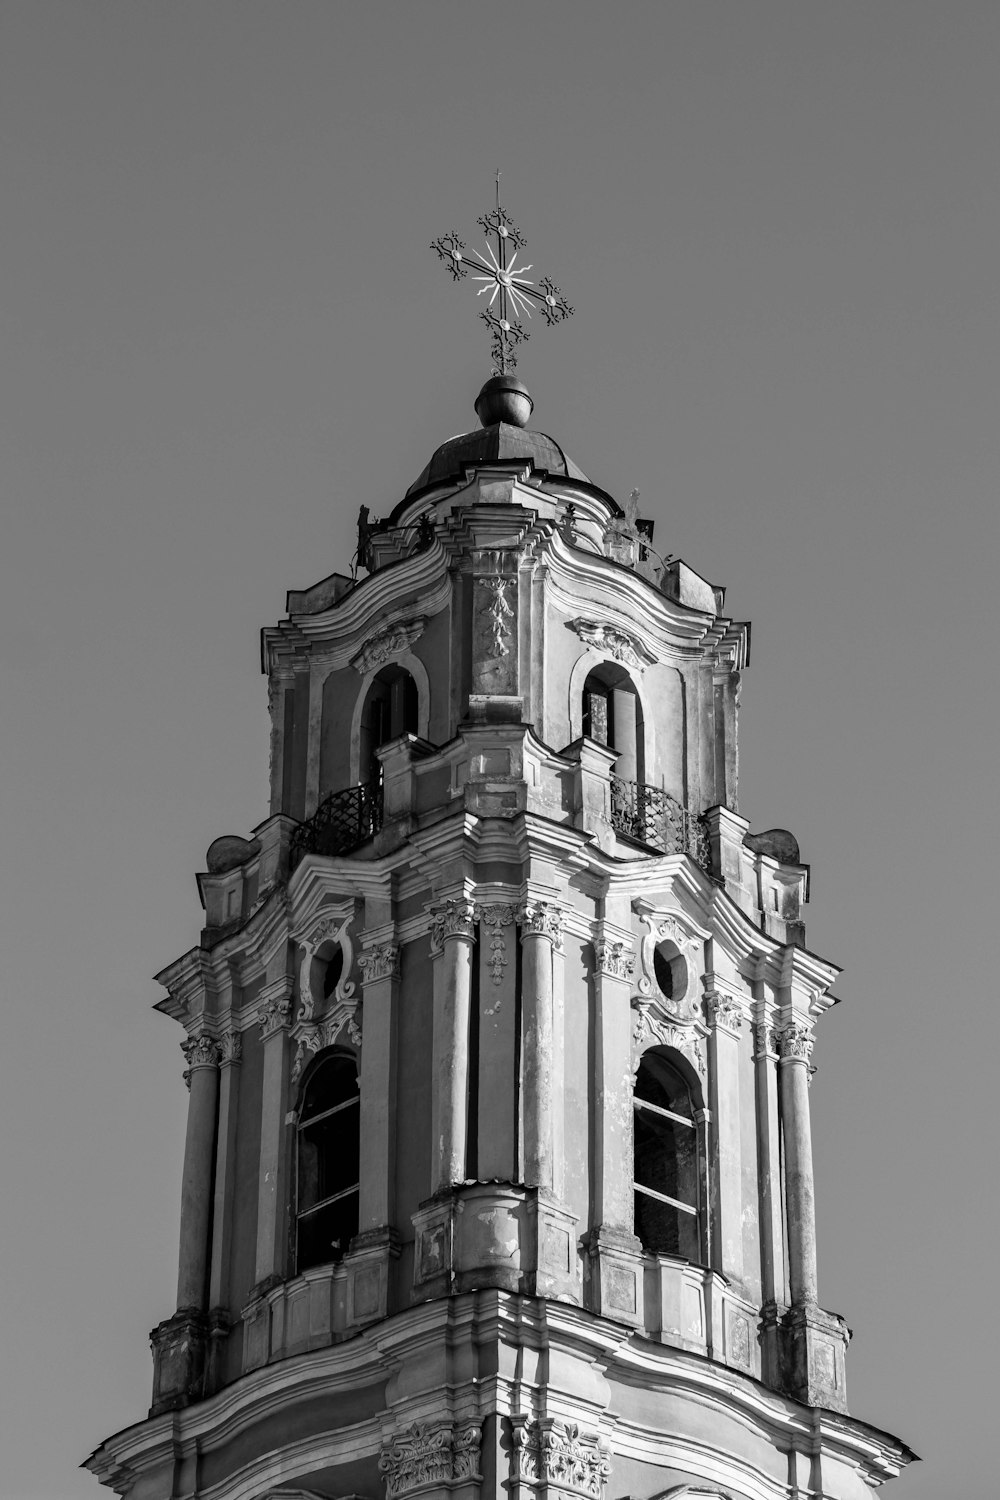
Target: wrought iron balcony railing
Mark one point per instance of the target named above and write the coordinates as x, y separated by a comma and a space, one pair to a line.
652, 817
342, 821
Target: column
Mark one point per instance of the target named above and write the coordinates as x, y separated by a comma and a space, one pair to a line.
541, 924
452, 940
202, 1057
795, 1044
380, 981
230, 1054
772, 1236
725, 1018
272, 1195
613, 970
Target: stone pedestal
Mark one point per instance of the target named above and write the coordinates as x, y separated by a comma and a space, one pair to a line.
180, 1355
813, 1344
489, 1234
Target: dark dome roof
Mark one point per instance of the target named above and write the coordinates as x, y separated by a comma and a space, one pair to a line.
498, 441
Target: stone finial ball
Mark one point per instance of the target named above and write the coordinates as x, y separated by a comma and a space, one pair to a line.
504, 399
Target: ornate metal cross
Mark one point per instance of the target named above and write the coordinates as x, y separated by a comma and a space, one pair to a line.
502, 278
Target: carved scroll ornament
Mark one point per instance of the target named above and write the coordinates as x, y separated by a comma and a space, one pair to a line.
386, 643
611, 641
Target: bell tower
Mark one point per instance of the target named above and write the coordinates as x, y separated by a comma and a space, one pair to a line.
498, 1169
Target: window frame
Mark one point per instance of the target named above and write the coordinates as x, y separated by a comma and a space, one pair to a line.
302, 1124
696, 1122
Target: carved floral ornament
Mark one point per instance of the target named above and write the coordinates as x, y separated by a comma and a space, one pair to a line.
614, 958
724, 1010
559, 1454
428, 1455
386, 643
380, 962
651, 1030
611, 641
794, 1041
199, 1052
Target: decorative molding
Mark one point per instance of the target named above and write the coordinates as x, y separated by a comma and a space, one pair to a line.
541, 919
495, 918
328, 929
618, 644
451, 919
651, 1030
314, 1036
387, 642
379, 963
795, 1041
423, 1455
665, 928
724, 1010
613, 958
559, 1454
231, 1047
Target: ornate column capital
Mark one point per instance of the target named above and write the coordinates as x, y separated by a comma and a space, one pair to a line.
562, 1454
426, 1455
614, 958
724, 1011
231, 1047
276, 1007
541, 919
452, 919
200, 1052
794, 1041
380, 962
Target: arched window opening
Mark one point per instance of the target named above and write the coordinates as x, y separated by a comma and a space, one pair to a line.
667, 1175
391, 709
329, 1156
612, 715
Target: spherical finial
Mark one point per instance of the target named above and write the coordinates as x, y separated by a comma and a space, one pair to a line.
504, 398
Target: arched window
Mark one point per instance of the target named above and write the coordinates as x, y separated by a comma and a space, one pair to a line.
390, 710
329, 1154
668, 1170
612, 715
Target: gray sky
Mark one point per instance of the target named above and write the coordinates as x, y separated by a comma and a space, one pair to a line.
222, 331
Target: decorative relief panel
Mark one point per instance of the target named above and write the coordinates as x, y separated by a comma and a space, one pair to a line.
724, 1010
387, 643
231, 1047
425, 1455
494, 623
610, 641
276, 1009
560, 1455
651, 1030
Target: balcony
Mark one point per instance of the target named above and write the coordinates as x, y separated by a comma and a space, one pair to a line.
342, 822
650, 816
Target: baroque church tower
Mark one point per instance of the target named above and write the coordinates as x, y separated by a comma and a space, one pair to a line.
498, 1169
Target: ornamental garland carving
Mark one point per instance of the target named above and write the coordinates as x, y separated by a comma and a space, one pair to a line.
386, 643
500, 614
495, 918
424, 1455
795, 1040
610, 641
379, 963
550, 1452
451, 919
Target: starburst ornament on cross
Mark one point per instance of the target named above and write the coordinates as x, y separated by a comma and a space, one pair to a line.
503, 279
